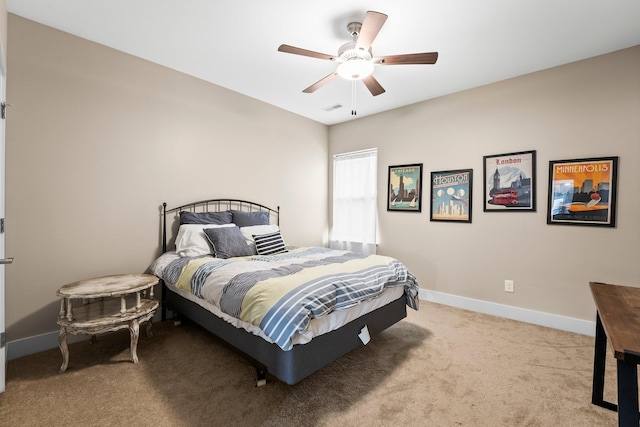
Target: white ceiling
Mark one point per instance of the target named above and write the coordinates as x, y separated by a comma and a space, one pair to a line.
234, 43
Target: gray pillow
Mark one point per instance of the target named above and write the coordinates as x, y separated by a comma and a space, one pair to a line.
246, 219
227, 242
217, 218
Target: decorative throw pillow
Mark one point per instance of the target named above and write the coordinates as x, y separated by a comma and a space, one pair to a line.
245, 219
223, 217
227, 242
191, 240
250, 231
269, 244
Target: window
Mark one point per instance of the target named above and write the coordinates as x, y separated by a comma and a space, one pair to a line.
355, 178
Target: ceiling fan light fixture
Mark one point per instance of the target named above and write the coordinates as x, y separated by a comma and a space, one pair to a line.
355, 58
355, 69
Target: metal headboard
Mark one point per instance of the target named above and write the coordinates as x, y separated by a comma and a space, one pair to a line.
216, 205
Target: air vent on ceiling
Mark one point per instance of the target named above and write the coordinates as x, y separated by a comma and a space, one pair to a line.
333, 107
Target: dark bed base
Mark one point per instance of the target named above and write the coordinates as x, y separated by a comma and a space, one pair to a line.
304, 359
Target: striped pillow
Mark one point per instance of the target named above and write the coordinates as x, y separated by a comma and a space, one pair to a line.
269, 244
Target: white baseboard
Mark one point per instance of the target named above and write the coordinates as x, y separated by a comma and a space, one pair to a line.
555, 321
38, 343
47, 341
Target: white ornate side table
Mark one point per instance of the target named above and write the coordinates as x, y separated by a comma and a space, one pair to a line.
109, 303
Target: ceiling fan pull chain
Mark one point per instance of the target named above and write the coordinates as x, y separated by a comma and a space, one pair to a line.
353, 98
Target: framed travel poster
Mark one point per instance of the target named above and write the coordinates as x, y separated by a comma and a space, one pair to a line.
583, 192
405, 188
510, 182
451, 195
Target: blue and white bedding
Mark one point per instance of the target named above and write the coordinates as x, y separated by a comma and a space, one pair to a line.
281, 293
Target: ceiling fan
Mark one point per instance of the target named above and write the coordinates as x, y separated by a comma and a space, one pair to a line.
355, 58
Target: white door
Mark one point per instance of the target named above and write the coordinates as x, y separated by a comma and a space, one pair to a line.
3, 347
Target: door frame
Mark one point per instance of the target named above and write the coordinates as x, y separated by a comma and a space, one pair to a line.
3, 346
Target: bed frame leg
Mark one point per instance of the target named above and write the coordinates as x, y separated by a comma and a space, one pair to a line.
261, 377
176, 319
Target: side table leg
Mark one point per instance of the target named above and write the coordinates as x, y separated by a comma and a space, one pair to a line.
62, 314
149, 323
627, 393
69, 310
599, 362
134, 329
64, 349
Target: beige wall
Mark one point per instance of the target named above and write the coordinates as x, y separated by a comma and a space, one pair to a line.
98, 139
585, 109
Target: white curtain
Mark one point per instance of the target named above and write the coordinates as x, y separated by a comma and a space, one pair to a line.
355, 177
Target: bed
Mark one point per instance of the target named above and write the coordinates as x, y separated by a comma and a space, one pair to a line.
290, 311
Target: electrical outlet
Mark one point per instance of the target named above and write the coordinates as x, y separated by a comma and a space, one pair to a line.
508, 285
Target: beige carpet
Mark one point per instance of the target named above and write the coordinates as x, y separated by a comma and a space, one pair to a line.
441, 366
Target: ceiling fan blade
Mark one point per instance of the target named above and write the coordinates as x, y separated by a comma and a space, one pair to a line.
304, 52
410, 58
323, 81
371, 25
372, 84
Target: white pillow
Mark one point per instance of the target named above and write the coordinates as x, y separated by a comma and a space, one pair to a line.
191, 240
250, 231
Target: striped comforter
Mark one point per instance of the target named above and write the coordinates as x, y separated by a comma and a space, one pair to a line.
281, 293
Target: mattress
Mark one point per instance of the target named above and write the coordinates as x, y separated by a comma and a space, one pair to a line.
316, 327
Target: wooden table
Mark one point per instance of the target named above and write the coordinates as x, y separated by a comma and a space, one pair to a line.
109, 303
618, 321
